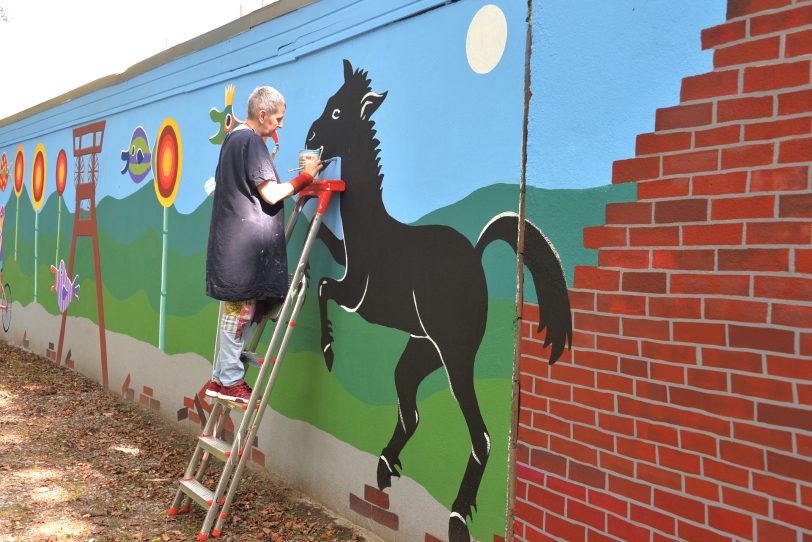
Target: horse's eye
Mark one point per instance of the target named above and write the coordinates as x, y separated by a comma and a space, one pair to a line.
336, 113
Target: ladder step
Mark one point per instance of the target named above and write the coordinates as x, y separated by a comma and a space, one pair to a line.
219, 448
197, 491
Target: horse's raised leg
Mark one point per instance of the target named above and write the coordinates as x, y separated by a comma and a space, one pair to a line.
418, 360
347, 293
460, 374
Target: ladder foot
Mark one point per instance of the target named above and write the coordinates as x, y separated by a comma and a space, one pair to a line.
202, 536
172, 511
215, 533
184, 508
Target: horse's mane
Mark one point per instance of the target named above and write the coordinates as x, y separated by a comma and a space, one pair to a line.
360, 85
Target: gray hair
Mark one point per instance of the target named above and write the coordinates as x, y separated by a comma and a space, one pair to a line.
264, 98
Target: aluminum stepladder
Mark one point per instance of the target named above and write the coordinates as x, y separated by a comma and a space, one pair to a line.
234, 455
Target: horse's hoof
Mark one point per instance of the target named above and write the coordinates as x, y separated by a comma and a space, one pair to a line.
328, 356
458, 530
385, 473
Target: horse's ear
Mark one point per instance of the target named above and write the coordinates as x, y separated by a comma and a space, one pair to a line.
347, 70
370, 103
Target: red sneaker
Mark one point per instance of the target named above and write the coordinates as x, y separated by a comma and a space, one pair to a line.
213, 389
239, 392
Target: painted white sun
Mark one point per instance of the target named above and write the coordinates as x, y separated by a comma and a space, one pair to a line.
487, 35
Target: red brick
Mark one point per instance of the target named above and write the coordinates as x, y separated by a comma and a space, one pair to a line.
739, 8
698, 442
679, 460
716, 284
762, 338
635, 169
723, 33
522, 510
645, 328
742, 454
745, 108
795, 515
661, 434
531, 437
746, 207
700, 333
596, 278
709, 85
627, 532
668, 373
674, 307
803, 261
691, 162
566, 487
764, 436
805, 398
598, 360
632, 212
667, 414
687, 210
564, 529
617, 464
586, 474
785, 178
597, 322
734, 182
549, 462
783, 20
745, 500
725, 472
530, 312
692, 533
747, 52
776, 487
654, 143
754, 259
669, 352
656, 520
767, 530
582, 513
779, 233
554, 390
790, 466
712, 234
747, 156
792, 103
629, 489
795, 150
702, 488
684, 116
551, 501
731, 359
583, 301
622, 304
778, 129
795, 206
550, 424
663, 188
634, 367
650, 390
767, 388
708, 379
713, 137
796, 289
646, 282
573, 413
628, 259
776, 76
604, 236
790, 367
792, 315
658, 236
736, 310
799, 418
722, 405
731, 522
573, 375
608, 502
683, 259
798, 43
595, 438
680, 506
613, 423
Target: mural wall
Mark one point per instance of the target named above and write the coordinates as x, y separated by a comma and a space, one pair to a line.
394, 405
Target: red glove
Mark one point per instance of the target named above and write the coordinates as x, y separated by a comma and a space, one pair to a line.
301, 182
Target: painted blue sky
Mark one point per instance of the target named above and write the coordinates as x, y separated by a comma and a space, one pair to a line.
599, 71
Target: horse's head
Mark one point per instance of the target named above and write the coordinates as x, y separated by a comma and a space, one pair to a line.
346, 112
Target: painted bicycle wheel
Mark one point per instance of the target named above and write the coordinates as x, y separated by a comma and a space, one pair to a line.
6, 316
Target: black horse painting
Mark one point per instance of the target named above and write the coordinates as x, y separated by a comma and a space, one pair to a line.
427, 281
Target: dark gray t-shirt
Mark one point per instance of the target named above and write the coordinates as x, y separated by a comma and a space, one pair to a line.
246, 256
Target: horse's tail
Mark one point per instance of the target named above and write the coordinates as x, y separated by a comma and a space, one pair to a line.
542, 260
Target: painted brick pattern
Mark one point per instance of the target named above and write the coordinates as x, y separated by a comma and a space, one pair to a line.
684, 410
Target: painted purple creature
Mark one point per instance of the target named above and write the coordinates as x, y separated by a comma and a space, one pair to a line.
65, 288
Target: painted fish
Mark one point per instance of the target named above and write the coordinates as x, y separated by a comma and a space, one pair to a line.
66, 289
225, 119
138, 157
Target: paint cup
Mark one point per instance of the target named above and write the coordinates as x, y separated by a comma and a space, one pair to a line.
308, 155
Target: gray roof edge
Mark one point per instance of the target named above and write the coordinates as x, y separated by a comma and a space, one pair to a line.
212, 37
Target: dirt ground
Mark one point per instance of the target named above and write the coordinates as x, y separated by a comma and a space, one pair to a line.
78, 463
